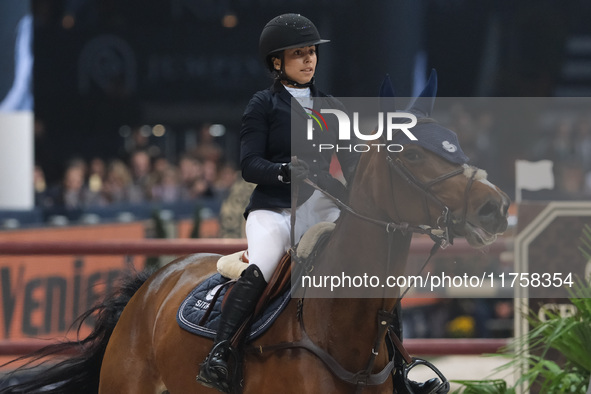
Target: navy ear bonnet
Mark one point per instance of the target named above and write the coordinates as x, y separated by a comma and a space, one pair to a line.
430, 135
436, 138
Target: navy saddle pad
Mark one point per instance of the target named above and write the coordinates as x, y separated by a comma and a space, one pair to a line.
196, 304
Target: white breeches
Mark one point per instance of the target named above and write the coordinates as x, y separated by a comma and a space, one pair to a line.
268, 232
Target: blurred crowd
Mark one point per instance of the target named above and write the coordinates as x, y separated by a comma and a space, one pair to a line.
568, 144
139, 179
142, 174
494, 144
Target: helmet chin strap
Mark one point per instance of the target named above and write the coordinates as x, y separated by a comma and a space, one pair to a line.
297, 84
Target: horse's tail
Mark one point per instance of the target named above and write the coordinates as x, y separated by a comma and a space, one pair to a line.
80, 373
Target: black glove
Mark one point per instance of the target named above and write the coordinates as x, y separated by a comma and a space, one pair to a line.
296, 171
333, 186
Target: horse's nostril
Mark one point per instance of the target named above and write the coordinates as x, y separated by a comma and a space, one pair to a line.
488, 209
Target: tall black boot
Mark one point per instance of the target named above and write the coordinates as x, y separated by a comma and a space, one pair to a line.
240, 303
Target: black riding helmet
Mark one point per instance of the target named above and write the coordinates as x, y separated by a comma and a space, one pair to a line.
285, 32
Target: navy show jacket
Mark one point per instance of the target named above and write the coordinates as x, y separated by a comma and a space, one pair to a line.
266, 143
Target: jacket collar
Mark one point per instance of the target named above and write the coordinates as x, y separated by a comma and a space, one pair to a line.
279, 89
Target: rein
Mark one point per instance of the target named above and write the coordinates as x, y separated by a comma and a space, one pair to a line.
441, 237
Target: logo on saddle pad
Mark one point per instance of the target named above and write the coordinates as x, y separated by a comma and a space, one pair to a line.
211, 294
204, 304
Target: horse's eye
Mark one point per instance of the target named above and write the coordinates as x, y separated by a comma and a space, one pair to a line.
412, 155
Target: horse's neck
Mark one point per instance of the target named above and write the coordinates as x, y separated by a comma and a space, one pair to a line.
359, 246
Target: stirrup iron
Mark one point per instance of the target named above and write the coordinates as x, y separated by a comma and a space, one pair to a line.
209, 375
441, 388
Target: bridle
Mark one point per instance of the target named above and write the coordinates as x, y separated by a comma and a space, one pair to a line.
441, 235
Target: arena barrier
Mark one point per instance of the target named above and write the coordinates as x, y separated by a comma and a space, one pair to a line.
186, 246
154, 247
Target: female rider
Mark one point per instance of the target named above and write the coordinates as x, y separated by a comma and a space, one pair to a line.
289, 46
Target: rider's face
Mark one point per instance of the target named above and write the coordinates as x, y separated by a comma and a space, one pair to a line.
300, 63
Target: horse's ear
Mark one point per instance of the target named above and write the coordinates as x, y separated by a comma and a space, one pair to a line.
386, 91
423, 105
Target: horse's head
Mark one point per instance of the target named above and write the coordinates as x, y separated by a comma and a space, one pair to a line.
430, 182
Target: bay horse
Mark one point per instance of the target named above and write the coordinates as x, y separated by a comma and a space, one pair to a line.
137, 346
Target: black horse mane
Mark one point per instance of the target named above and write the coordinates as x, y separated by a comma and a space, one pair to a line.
80, 373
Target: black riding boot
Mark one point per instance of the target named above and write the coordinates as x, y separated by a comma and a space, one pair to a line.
240, 303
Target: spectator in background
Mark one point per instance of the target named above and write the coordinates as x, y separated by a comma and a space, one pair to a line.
190, 171
141, 180
226, 177
568, 145
202, 188
73, 193
160, 165
210, 173
97, 174
207, 148
80, 163
167, 186
39, 186
193, 183
118, 184
561, 148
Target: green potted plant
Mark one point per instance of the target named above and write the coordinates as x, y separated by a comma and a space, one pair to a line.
570, 336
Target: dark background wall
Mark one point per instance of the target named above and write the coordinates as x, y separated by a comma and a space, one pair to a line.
104, 64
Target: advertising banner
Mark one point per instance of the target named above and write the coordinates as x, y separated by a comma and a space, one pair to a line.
41, 296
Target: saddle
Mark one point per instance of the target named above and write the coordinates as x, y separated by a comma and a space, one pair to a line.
200, 311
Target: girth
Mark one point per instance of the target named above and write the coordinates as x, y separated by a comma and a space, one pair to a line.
361, 378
